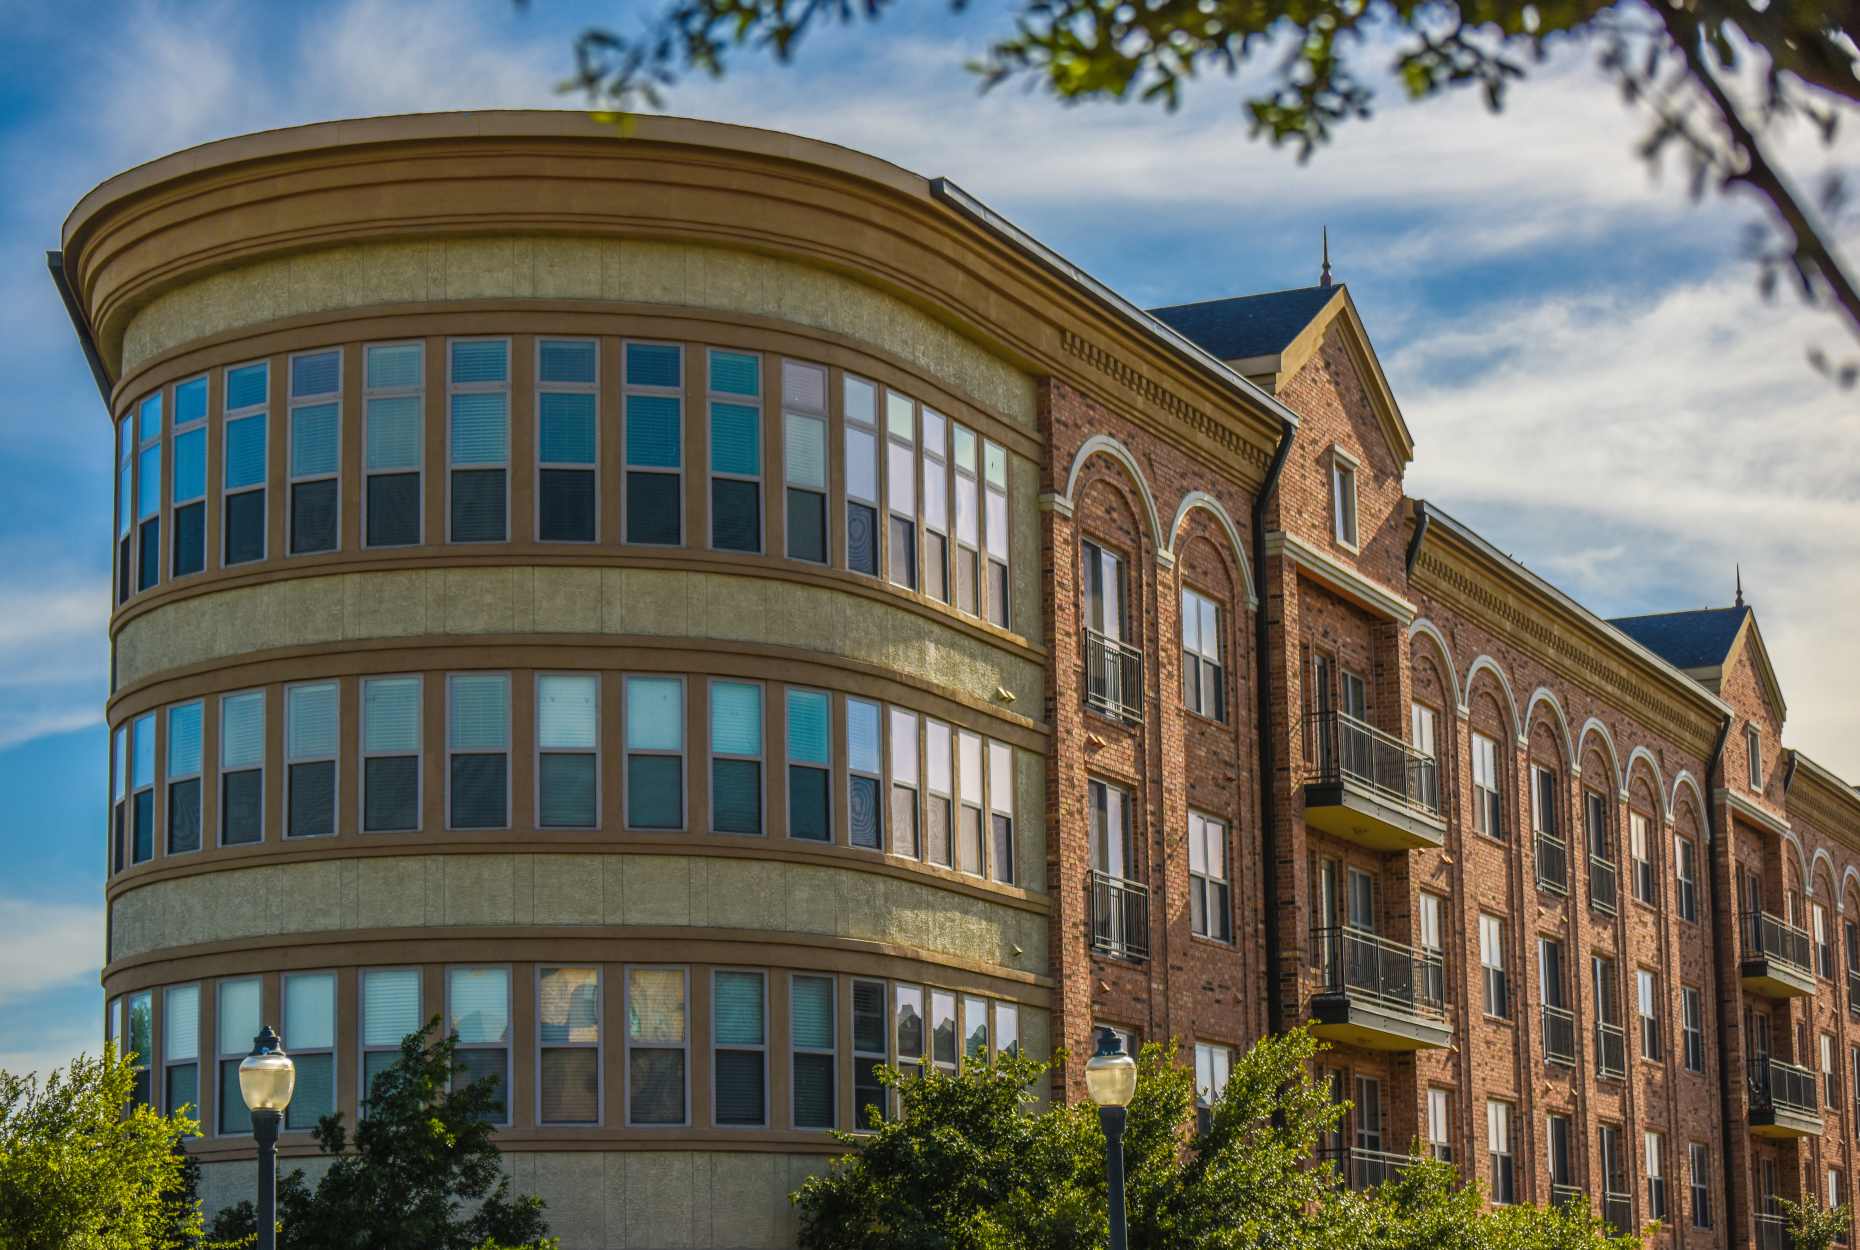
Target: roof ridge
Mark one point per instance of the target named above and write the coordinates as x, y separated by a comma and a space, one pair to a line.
1224, 299
1648, 616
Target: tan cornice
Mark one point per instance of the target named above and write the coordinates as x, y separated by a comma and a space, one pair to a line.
1830, 804
1340, 577
1752, 812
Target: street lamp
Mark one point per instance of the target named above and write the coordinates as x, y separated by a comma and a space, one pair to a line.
266, 1078
1110, 1079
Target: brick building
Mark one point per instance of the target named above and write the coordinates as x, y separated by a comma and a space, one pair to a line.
708, 615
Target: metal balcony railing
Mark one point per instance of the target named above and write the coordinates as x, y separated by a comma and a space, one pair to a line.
1342, 748
1360, 1169
1113, 677
1610, 1050
1618, 1211
1776, 1084
1563, 1195
1853, 993
1604, 885
1552, 863
1120, 917
1360, 964
1772, 1232
1771, 937
1560, 1035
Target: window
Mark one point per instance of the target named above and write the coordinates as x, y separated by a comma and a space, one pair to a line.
310, 1032
911, 1026
394, 419
869, 1051
1212, 1066
968, 522
148, 491
142, 1046
142, 789
188, 484
125, 507
859, 401
236, 1025
1433, 947
804, 458
1559, 1023
568, 1037
865, 779
904, 839
1613, 1160
1439, 1124
478, 404
1824, 949
901, 486
1685, 876
180, 1040
568, 761
1562, 1166
310, 737
316, 452
1488, 804
1647, 998
1204, 683
390, 754
1753, 756
246, 416
995, 530
810, 765
739, 1039
1543, 801
937, 787
1611, 1057
943, 1030
183, 777
1602, 887
1503, 1180
1343, 497
1423, 724
1830, 1074
935, 506
567, 440
657, 1039
1698, 1174
1112, 852
242, 768
1209, 907
1492, 961
975, 1030
1692, 1009
655, 752
1656, 1176
477, 751
1104, 591
1001, 810
119, 795
1837, 1197
478, 1010
390, 1013
815, 1069
654, 400
1007, 1029
735, 757
1637, 855
970, 847
735, 451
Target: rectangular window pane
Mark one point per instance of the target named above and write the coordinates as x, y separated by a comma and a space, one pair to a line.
735, 718
478, 1004
808, 726
478, 717
390, 1006
479, 792
478, 506
242, 730
393, 510
655, 714
310, 720
571, 1090
653, 508
391, 800
653, 438
569, 1002
736, 515
655, 792
566, 712
391, 714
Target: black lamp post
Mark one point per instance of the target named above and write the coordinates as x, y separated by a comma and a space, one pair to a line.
1110, 1079
267, 1078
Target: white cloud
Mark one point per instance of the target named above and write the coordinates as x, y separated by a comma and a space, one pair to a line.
54, 1047
53, 647
49, 946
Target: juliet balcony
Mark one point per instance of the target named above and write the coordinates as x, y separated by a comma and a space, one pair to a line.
1783, 1100
1113, 677
1120, 917
1376, 994
1361, 1169
1778, 958
1370, 787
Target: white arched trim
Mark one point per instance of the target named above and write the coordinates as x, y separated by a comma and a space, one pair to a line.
1686, 779
1422, 625
1659, 779
1852, 874
1595, 725
1820, 857
1543, 694
1790, 837
1489, 664
1208, 503
1120, 453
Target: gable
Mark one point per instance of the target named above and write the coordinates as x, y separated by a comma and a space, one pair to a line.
1339, 321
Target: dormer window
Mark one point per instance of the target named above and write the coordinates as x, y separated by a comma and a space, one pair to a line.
1753, 754
1343, 497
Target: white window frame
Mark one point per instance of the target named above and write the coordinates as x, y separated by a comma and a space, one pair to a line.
997, 609
1345, 517
762, 979
901, 752
882, 794
966, 477
1499, 1124
907, 444
1492, 962
171, 775
796, 1050
1440, 1123
1698, 1176
222, 1056
141, 728
682, 754
1640, 857
418, 754
333, 758
790, 763
1488, 788
628, 389
1213, 1069
264, 715
300, 1052
507, 1090
600, 1026
933, 458
593, 470
1647, 1009
145, 444
1692, 1028
175, 502
1685, 877
868, 1059
451, 751
938, 999
1753, 752
292, 480
760, 759
793, 415
1655, 1153
1001, 788
362, 1047
228, 415
1198, 652
626, 1039
1206, 833
538, 750
868, 429
970, 800
454, 389
932, 730
169, 1059
417, 392
712, 397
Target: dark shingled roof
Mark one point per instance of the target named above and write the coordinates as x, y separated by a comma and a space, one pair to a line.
1697, 639
1246, 325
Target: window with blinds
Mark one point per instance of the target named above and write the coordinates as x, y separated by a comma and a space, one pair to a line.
478, 750
316, 452
735, 406
139, 1046
939, 845
904, 832
739, 1049
811, 1032
901, 487
180, 1041
183, 777
865, 778
967, 485
478, 439
142, 788
735, 757
652, 397
149, 427
655, 752
935, 462
236, 1021
390, 1013
242, 767
119, 798
971, 850
869, 1051
394, 431
568, 1035
391, 715
859, 408
810, 765
310, 1036
567, 440
995, 531
310, 748
943, 1029
187, 485
804, 459
911, 1025
657, 1046
1001, 812
246, 415
478, 1010
125, 507
567, 759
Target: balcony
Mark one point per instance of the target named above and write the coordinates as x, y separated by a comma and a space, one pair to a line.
1376, 994
1113, 678
1853, 993
1604, 885
1370, 788
1772, 1232
1618, 1211
1610, 1051
1120, 917
1777, 957
1560, 1036
1783, 1100
1552, 864
1563, 1195
1361, 1169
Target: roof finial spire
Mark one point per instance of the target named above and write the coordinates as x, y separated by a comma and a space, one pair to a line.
1324, 278
1740, 586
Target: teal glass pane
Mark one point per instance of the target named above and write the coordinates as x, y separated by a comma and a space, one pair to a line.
184, 724
148, 418
242, 730
390, 1006
480, 362
394, 366
654, 364
735, 718
310, 1010
862, 744
394, 432
190, 401
245, 452
246, 386
391, 714
310, 721
142, 752
652, 432
567, 428
478, 1003
238, 1017
566, 712
121, 754
313, 440
655, 714
320, 374
736, 796
736, 1009
808, 722
735, 439
190, 465
813, 1013
735, 373
125, 499
478, 718
125, 440
566, 360
148, 483
480, 428
142, 1026
181, 1024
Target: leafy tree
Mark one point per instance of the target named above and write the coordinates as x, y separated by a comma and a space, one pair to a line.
1720, 81
421, 1169
81, 1169
1813, 1227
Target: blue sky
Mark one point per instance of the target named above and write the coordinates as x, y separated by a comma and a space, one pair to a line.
1591, 378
